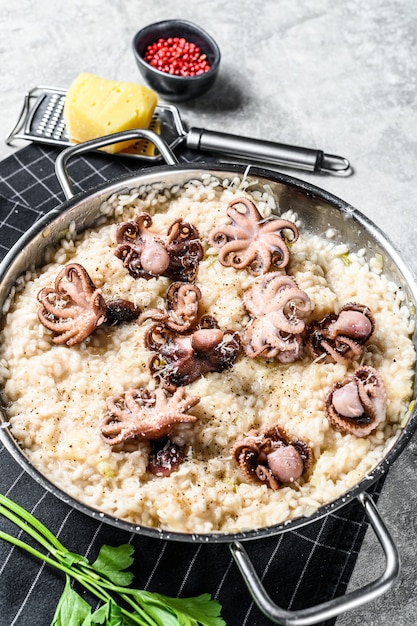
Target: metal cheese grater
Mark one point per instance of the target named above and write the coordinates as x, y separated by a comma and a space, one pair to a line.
41, 120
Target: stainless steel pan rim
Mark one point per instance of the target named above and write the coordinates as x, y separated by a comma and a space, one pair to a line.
154, 174
81, 206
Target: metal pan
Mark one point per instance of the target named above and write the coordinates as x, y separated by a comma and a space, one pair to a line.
319, 211
41, 120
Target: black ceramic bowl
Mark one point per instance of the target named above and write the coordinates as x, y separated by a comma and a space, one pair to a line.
170, 86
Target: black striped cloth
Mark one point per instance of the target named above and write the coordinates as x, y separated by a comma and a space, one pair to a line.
299, 568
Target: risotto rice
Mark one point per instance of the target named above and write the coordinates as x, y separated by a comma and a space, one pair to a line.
55, 396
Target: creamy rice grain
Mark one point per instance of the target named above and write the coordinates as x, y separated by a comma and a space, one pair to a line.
56, 395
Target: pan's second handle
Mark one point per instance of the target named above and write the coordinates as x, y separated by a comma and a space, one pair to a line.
95, 144
266, 151
331, 608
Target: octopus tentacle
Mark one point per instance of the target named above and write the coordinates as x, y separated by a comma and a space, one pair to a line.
145, 415
251, 241
341, 338
182, 307
247, 219
230, 250
73, 308
275, 331
357, 404
147, 254
269, 228
269, 456
179, 360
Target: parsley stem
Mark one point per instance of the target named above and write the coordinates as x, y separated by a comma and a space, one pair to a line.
104, 587
28, 529
94, 579
28, 517
88, 578
33, 551
97, 588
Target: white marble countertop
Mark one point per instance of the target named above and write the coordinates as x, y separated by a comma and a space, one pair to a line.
339, 76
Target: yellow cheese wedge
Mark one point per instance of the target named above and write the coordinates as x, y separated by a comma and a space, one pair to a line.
95, 107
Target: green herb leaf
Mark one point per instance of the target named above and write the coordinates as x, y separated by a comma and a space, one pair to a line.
72, 609
108, 580
101, 616
187, 611
111, 563
345, 258
109, 614
161, 615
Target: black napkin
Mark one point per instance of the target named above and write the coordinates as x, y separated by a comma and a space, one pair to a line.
299, 568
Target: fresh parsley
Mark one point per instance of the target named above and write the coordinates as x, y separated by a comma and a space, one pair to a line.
109, 579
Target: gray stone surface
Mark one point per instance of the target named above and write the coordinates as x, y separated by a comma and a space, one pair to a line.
340, 76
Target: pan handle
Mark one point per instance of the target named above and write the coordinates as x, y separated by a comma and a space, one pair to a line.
266, 151
94, 144
331, 608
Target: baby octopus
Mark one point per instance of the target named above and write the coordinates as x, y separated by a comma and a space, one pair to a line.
357, 404
252, 241
340, 338
182, 307
186, 346
182, 358
146, 254
275, 332
74, 307
145, 415
269, 457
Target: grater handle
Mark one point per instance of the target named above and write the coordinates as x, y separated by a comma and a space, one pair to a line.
94, 144
266, 151
21, 120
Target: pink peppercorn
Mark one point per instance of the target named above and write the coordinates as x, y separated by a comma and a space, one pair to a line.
177, 56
